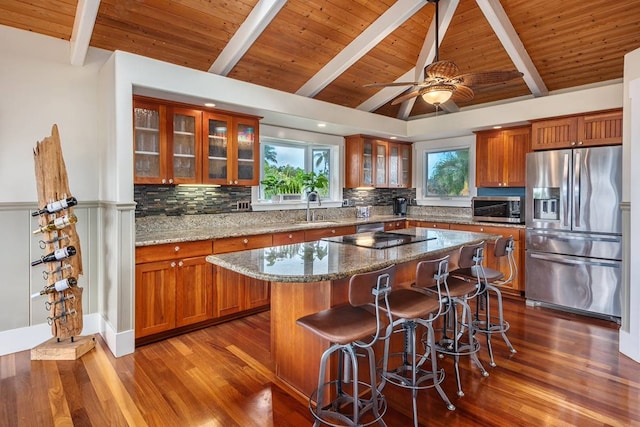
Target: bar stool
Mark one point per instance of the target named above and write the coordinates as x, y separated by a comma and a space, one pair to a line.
347, 326
485, 322
460, 291
409, 308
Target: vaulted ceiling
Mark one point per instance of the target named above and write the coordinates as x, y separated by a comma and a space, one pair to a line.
330, 49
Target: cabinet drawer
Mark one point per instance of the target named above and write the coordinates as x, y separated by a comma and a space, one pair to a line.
503, 231
287, 238
172, 251
428, 224
233, 244
311, 235
395, 225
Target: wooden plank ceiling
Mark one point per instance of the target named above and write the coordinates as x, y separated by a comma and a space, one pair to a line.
329, 49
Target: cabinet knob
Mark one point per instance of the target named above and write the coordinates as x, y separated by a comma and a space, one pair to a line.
180, 264
177, 248
573, 143
235, 182
245, 241
579, 142
173, 264
435, 226
481, 228
164, 181
170, 180
291, 236
333, 231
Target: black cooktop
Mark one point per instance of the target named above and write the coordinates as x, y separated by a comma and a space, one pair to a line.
379, 239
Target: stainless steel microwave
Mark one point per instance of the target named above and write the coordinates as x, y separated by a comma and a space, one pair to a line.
498, 209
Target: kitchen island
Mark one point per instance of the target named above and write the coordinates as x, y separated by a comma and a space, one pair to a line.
313, 276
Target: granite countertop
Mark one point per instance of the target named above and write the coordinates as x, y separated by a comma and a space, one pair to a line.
190, 234
324, 260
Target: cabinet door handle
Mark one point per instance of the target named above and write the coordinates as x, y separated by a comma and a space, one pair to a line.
177, 248
173, 264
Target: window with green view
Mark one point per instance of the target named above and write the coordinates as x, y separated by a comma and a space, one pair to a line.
447, 173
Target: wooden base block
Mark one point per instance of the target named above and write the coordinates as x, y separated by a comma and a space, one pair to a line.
63, 350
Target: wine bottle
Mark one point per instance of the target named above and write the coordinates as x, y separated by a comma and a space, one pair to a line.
56, 206
58, 286
57, 224
57, 255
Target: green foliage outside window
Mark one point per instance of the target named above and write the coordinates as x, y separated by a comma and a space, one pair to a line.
447, 173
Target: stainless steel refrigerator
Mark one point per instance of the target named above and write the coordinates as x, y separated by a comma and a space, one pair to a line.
574, 231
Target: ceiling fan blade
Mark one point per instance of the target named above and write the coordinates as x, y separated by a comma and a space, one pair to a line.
442, 69
406, 96
484, 78
462, 93
392, 84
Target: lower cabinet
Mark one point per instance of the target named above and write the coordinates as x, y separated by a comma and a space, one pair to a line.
395, 225
174, 287
235, 293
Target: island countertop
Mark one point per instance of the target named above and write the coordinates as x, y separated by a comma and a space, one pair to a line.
326, 261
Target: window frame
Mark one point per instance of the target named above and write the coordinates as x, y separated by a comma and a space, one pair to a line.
335, 187
451, 144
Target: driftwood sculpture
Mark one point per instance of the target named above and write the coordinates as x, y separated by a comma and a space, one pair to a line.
62, 256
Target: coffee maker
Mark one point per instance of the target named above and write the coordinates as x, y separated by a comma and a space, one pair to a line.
400, 206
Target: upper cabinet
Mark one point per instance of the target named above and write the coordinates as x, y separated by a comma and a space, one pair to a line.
598, 128
501, 157
175, 144
374, 162
231, 150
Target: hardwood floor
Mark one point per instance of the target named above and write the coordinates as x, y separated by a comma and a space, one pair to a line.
567, 372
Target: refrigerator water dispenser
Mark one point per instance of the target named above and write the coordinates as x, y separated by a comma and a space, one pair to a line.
546, 203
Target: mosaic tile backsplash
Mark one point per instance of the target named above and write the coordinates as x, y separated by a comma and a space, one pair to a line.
170, 200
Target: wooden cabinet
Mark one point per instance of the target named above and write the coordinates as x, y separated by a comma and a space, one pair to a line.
181, 144
374, 162
399, 165
395, 225
231, 150
235, 292
150, 148
501, 264
173, 286
501, 157
598, 128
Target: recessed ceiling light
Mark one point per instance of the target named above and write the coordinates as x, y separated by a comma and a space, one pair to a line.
209, 104
393, 137
322, 125
497, 127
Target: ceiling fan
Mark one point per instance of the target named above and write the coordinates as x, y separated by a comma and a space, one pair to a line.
444, 81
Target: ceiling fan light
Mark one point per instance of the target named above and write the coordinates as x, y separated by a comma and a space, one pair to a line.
438, 94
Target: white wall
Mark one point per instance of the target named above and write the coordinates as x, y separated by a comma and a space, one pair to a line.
630, 331
39, 88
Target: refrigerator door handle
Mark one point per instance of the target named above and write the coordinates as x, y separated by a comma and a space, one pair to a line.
565, 188
576, 188
569, 261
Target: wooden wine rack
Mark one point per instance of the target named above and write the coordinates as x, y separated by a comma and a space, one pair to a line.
65, 307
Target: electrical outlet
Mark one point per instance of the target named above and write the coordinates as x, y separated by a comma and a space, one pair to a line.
345, 203
243, 206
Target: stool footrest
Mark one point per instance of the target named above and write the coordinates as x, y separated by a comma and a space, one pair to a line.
330, 414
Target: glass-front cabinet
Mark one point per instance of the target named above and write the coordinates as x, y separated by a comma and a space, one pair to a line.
149, 151
175, 144
376, 162
185, 135
399, 165
232, 148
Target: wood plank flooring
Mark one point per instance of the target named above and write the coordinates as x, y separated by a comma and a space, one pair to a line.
567, 372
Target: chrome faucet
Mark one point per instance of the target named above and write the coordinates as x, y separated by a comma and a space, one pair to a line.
309, 200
